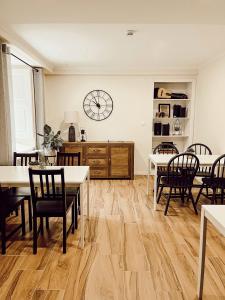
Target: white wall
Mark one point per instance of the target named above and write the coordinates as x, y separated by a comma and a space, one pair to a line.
210, 106
131, 118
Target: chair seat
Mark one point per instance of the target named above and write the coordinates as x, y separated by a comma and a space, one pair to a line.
214, 182
176, 182
52, 207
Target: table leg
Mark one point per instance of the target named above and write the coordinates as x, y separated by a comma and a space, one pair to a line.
82, 215
88, 195
201, 267
155, 187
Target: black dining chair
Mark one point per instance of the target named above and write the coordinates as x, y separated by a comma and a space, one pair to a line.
8, 204
203, 172
164, 148
181, 171
50, 200
23, 159
70, 159
215, 182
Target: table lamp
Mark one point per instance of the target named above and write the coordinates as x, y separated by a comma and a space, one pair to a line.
71, 117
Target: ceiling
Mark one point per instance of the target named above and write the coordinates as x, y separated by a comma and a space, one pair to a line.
86, 37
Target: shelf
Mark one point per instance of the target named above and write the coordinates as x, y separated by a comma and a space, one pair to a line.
170, 136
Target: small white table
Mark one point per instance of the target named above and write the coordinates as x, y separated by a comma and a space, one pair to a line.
216, 215
74, 176
161, 160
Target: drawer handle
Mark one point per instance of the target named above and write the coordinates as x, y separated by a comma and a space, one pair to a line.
97, 162
96, 150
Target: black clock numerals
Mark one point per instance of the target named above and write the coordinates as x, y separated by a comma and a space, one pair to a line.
98, 105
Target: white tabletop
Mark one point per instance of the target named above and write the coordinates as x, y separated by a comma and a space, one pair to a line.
18, 176
216, 215
163, 159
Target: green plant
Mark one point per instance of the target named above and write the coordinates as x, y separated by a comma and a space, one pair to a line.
51, 140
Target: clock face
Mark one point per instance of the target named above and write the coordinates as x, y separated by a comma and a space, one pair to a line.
98, 105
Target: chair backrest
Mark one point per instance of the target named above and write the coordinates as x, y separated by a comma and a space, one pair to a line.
199, 149
166, 148
68, 159
182, 169
23, 159
218, 170
47, 185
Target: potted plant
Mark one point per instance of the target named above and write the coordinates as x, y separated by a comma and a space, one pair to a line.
52, 142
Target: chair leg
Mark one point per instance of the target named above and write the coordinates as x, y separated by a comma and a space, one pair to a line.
159, 194
23, 221
76, 213
41, 226
78, 200
182, 195
47, 223
168, 202
73, 217
64, 234
213, 200
193, 202
30, 213
34, 235
3, 235
199, 194
222, 195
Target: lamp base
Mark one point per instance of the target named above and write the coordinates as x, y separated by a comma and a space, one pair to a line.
72, 136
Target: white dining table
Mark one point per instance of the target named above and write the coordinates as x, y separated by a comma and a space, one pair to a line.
161, 160
75, 176
216, 215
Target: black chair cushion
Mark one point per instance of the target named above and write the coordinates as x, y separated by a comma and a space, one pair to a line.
214, 182
177, 182
52, 207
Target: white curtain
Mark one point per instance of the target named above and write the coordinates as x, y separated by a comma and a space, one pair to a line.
7, 140
39, 103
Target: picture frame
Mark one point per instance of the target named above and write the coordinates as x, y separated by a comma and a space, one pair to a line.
165, 110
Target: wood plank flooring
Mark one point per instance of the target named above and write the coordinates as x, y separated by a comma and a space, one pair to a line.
131, 253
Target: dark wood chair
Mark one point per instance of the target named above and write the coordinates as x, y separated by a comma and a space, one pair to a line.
8, 204
164, 148
215, 182
50, 200
70, 159
23, 159
181, 171
203, 172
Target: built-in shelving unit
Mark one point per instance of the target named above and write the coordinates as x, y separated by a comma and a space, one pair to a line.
186, 87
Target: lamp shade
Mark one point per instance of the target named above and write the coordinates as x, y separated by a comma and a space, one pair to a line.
70, 116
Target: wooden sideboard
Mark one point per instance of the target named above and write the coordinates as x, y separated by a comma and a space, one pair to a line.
106, 159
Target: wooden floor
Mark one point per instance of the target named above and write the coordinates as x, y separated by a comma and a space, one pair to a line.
131, 253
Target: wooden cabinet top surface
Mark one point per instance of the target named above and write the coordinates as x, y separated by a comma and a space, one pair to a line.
99, 142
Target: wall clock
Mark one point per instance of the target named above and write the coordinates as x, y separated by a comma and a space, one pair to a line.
98, 105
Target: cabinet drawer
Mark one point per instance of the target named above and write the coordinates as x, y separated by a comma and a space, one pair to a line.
92, 150
95, 162
99, 173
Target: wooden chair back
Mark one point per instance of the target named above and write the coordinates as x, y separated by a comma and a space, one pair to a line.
68, 159
182, 169
23, 159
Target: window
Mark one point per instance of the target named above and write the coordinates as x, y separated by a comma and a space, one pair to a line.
23, 103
